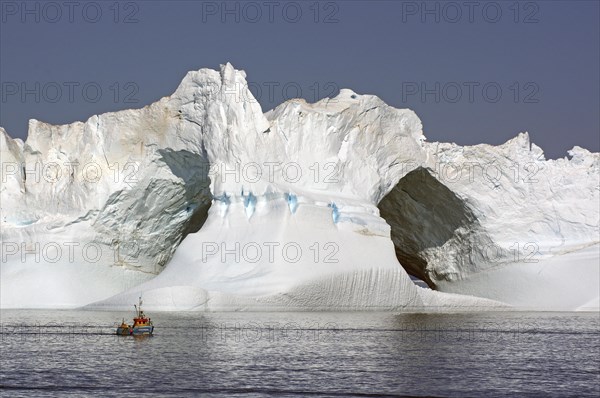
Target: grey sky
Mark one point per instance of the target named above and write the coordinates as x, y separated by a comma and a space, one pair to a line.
542, 55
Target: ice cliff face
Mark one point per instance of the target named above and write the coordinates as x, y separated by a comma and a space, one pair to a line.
309, 206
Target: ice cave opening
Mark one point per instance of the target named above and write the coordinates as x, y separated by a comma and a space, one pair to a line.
425, 215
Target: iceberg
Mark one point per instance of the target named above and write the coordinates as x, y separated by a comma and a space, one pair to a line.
201, 201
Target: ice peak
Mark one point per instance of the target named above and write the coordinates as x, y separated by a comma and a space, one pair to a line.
347, 93
229, 73
521, 140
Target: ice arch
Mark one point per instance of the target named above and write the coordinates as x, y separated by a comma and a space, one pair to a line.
441, 236
428, 221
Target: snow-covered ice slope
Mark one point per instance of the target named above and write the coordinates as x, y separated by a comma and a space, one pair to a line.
287, 206
279, 260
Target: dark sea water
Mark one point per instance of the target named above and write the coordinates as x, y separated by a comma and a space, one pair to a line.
74, 353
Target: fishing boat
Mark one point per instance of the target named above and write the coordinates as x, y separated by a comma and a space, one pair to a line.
142, 325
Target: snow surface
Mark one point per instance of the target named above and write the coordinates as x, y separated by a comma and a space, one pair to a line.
305, 207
